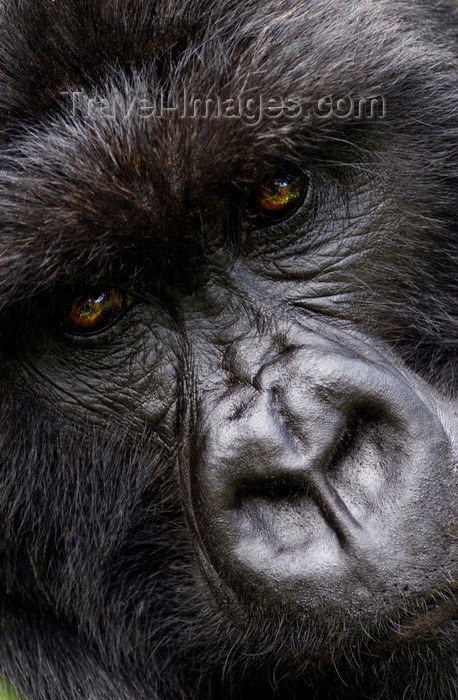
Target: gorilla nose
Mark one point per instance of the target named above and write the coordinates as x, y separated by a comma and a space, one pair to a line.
293, 470
273, 450
268, 466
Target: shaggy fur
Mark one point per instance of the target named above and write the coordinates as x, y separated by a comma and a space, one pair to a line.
101, 589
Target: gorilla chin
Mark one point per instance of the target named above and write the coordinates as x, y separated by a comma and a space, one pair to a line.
228, 349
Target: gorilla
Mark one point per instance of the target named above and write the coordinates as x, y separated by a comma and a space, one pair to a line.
228, 347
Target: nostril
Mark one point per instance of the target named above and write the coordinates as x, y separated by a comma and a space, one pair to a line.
347, 441
360, 425
290, 489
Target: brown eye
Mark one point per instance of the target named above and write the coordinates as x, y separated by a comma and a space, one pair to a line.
275, 198
96, 310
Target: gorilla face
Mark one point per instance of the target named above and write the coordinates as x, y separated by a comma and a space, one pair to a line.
228, 338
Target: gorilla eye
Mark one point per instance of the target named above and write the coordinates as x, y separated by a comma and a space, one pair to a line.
275, 198
96, 310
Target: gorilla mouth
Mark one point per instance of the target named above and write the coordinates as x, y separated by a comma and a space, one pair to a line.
418, 623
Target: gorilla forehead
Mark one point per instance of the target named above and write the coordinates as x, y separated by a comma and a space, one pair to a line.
50, 45
114, 48
136, 179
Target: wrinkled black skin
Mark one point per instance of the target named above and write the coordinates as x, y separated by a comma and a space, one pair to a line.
247, 484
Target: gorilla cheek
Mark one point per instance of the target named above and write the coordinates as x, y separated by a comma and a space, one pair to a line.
318, 486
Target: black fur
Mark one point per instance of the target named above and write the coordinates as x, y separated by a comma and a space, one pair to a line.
102, 593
